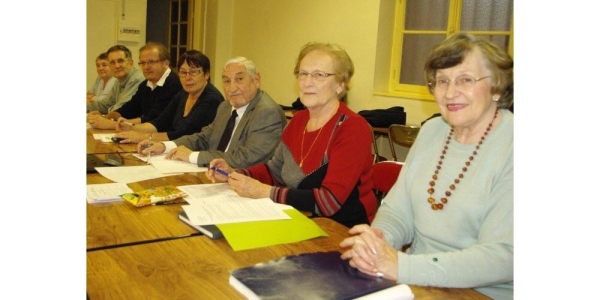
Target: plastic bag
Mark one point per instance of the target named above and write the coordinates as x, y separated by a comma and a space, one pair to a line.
158, 195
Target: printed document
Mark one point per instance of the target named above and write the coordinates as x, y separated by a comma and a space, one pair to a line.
199, 191
168, 166
232, 209
106, 192
127, 174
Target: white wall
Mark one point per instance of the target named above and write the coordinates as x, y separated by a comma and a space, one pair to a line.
271, 32
218, 36
287, 25
103, 19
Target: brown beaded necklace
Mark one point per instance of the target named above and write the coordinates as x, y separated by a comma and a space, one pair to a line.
452, 187
311, 146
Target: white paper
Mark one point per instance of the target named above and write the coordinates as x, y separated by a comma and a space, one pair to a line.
104, 137
220, 198
206, 190
127, 174
397, 292
155, 157
106, 192
197, 192
168, 166
229, 209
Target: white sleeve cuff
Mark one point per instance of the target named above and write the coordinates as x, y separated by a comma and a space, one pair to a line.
194, 157
169, 145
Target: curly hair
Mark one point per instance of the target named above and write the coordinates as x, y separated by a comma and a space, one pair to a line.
455, 48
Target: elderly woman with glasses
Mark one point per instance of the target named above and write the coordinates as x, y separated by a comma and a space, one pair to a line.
322, 164
104, 82
453, 200
191, 109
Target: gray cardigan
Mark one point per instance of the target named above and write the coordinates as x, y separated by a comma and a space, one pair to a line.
254, 140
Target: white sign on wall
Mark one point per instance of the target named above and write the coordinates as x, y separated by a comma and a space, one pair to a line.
129, 32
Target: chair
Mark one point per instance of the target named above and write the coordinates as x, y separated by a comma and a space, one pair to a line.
384, 175
376, 157
402, 135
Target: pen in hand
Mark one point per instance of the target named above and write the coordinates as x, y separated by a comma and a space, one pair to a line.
221, 171
150, 144
149, 152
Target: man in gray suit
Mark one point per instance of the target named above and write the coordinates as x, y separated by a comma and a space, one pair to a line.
256, 131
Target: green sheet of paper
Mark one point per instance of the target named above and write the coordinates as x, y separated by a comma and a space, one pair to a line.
250, 235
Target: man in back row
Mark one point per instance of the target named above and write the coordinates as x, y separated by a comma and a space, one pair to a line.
152, 95
259, 122
121, 65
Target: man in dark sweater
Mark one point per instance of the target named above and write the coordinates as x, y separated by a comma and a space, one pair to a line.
152, 95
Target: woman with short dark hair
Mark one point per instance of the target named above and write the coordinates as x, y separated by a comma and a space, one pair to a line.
191, 109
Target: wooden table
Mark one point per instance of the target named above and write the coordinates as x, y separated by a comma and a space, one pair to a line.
98, 147
118, 224
115, 224
148, 253
198, 268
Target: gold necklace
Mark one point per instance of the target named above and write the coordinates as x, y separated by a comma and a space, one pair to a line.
431, 190
311, 146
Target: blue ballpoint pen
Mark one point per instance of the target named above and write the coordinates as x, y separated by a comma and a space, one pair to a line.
221, 171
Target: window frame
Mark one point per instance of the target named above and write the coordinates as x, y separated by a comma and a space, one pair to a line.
183, 38
421, 92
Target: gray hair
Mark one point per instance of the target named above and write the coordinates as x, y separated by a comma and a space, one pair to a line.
248, 64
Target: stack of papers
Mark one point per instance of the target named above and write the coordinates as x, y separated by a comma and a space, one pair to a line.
232, 209
218, 204
106, 192
199, 191
244, 221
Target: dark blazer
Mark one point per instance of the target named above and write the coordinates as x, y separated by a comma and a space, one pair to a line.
172, 121
147, 104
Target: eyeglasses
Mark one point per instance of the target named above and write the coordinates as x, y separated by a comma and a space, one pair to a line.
119, 61
462, 82
193, 73
316, 75
149, 63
